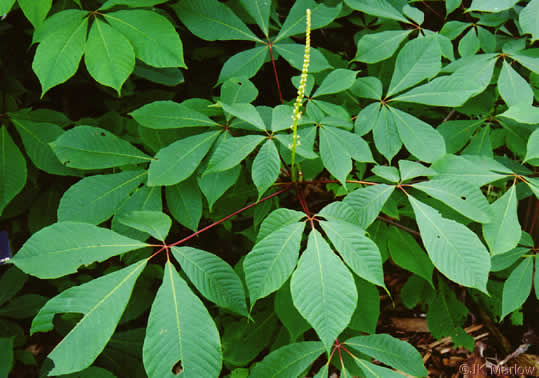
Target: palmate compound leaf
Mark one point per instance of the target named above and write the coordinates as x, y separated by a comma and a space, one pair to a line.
504, 232
517, 287
368, 202
288, 361
272, 260
94, 199
213, 277
60, 51
152, 36
12, 169
179, 160
63, 247
358, 251
462, 196
323, 290
170, 115
102, 302
180, 329
88, 147
454, 249
390, 351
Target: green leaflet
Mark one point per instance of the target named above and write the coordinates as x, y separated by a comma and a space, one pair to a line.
212, 20
95, 199
454, 250
5, 6
276, 219
418, 60
266, 167
504, 232
368, 202
131, 3
214, 185
376, 47
180, 329
6, 343
390, 351
63, 247
247, 113
36, 137
469, 44
321, 15
143, 199
358, 251
367, 87
457, 133
455, 89
170, 115
336, 159
259, 10
179, 160
517, 287
532, 154
64, 44
411, 169
213, 277
513, 88
87, 147
522, 113
12, 169
336, 81
323, 290
365, 318
466, 198
407, 253
528, 19
184, 202
288, 361
423, 141
293, 53
102, 302
386, 135
109, 57
377, 8
272, 260
153, 37
244, 64
375, 371
230, 152
35, 11
491, 5
154, 223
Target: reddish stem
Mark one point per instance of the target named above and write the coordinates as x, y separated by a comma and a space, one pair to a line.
534, 218
275, 72
228, 217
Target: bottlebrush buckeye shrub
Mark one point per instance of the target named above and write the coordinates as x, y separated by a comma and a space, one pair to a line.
215, 220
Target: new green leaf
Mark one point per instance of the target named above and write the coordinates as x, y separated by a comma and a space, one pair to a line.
12, 169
